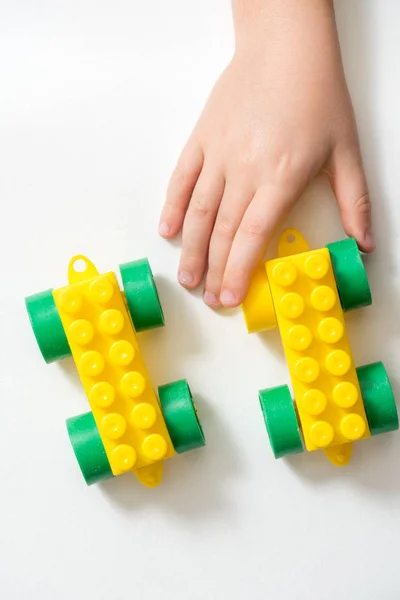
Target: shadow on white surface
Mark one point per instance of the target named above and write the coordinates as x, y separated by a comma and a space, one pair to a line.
195, 485
69, 369
373, 466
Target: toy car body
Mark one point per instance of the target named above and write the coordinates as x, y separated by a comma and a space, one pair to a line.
128, 428
304, 293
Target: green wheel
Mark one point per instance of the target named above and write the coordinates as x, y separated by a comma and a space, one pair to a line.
281, 421
47, 327
379, 401
351, 276
181, 416
88, 448
141, 295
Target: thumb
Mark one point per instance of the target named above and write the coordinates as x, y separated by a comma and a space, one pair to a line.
350, 187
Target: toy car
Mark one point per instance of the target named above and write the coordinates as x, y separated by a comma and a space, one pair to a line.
128, 429
304, 293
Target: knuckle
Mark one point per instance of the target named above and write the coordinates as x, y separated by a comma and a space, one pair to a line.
254, 227
224, 228
286, 168
200, 206
363, 204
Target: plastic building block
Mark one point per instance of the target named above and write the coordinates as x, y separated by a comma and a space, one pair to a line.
182, 422
378, 398
47, 327
350, 275
281, 421
335, 403
89, 448
95, 322
141, 295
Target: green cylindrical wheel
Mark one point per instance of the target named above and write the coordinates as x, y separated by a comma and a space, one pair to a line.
281, 421
181, 416
379, 402
350, 274
47, 327
141, 295
88, 448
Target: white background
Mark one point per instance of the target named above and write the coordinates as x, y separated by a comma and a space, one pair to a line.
96, 101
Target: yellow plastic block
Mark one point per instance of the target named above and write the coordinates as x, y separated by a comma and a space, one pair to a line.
311, 323
106, 352
258, 307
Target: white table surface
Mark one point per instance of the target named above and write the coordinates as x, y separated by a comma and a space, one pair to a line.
96, 101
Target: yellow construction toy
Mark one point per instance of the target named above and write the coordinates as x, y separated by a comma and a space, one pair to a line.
304, 293
128, 429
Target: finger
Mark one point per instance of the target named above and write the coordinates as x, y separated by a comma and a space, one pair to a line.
198, 224
350, 188
233, 205
180, 189
265, 211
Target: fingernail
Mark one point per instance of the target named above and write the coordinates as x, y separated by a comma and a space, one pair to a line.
185, 277
227, 298
210, 299
164, 229
369, 239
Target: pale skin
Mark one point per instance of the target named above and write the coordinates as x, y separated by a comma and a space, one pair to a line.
279, 115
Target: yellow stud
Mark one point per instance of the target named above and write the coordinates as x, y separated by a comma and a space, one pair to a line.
338, 362
70, 301
330, 330
111, 321
299, 338
306, 369
291, 305
123, 458
91, 363
101, 290
352, 427
314, 402
113, 426
323, 298
321, 434
284, 273
102, 394
81, 332
154, 447
143, 416
122, 353
345, 394
133, 384
316, 266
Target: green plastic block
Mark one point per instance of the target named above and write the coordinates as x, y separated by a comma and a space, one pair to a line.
281, 421
379, 402
141, 295
350, 274
181, 416
47, 327
89, 448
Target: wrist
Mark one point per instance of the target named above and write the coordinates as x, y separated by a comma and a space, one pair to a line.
260, 23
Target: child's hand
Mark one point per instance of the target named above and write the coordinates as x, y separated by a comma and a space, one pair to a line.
278, 116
